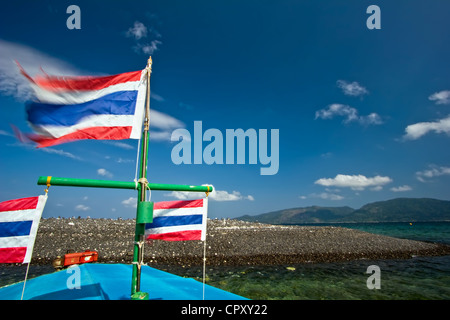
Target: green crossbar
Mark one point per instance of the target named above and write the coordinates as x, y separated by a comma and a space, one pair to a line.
70, 182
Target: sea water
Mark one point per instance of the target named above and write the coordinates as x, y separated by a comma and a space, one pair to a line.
415, 278
408, 279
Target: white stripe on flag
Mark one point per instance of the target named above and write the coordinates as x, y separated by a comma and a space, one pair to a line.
185, 227
10, 242
19, 215
177, 212
103, 120
77, 97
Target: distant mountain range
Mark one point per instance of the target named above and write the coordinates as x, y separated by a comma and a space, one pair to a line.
395, 210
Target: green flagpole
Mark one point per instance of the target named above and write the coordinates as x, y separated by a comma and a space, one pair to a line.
141, 216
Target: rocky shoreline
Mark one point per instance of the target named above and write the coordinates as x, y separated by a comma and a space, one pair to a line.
228, 242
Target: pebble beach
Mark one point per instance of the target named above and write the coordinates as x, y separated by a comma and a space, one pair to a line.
228, 243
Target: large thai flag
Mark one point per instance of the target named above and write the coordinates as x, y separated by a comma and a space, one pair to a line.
75, 108
19, 221
178, 220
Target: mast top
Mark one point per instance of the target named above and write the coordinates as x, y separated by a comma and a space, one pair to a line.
149, 63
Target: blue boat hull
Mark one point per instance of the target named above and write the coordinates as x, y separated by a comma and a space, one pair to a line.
98, 281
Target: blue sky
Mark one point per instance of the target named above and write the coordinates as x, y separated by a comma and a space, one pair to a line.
363, 115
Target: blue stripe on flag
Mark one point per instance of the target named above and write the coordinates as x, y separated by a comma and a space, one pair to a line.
117, 103
15, 228
174, 221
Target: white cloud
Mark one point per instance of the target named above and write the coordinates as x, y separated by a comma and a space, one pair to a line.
60, 152
352, 88
131, 202
122, 160
442, 97
104, 173
147, 48
434, 171
165, 124
119, 144
160, 135
401, 188
81, 207
372, 118
417, 130
338, 109
181, 195
326, 155
164, 121
217, 195
220, 195
350, 114
13, 83
324, 196
355, 182
5, 133
138, 31
157, 97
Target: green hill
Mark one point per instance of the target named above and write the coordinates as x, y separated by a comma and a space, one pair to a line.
314, 214
400, 209
403, 209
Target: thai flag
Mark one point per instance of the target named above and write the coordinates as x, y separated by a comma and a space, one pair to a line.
19, 221
178, 220
75, 108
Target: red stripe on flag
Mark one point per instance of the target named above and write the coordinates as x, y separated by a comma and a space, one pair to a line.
178, 204
97, 133
177, 236
85, 83
19, 204
12, 255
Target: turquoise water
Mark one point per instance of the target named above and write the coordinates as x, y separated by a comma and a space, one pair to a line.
419, 278
411, 279
423, 231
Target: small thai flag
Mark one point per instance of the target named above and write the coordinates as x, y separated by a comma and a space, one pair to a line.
19, 221
67, 109
178, 220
